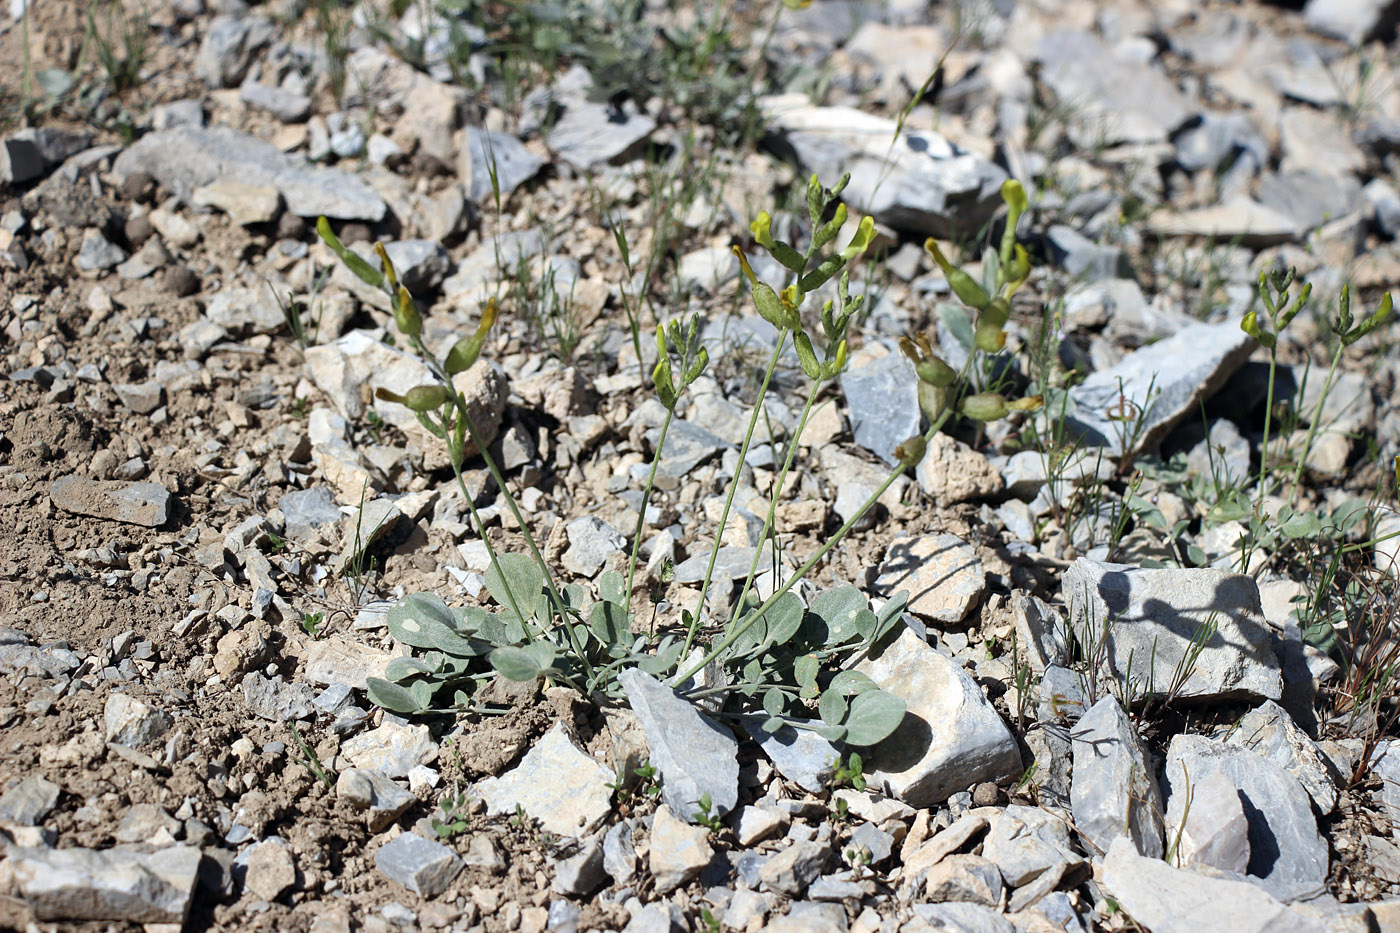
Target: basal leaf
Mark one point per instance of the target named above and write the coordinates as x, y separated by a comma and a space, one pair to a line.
519, 577
608, 620
874, 715
832, 707
392, 697
612, 587
515, 663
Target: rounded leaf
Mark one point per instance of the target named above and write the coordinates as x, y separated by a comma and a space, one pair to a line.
874, 715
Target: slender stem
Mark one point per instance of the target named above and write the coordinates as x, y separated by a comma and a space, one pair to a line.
455, 455
773, 501
1268, 418
733, 489
1316, 417
646, 497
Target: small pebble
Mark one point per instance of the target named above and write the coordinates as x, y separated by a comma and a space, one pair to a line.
181, 281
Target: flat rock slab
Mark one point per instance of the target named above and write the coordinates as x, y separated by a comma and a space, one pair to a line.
1114, 792
133, 503
113, 885
951, 737
694, 755
557, 784
1240, 219
1287, 856
1156, 387
1170, 900
800, 755
187, 158
942, 573
1148, 619
1112, 99
482, 151
914, 180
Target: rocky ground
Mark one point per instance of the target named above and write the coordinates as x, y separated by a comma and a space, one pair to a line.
205, 515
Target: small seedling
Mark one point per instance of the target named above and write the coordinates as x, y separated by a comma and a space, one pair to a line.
848, 773
454, 819
311, 623
706, 816
312, 760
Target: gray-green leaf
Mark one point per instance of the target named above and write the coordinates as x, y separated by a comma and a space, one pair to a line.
874, 715
392, 697
519, 577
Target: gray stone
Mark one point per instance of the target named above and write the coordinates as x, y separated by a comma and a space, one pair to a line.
746, 905
1027, 842
1212, 140
1148, 619
29, 801
1352, 20
116, 885
1081, 257
1113, 98
1223, 457
882, 401
274, 699
619, 853
941, 572
19, 655
557, 784
305, 511
187, 158
951, 737
657, 918
1385, 201
421, 865
132, 723
1270, 731
1309, 197
371, 791
145, 821
589, 135
241, 310
246, 205
956, 917
874, 840
286, 105
925, 185
227, 46
791, 870
481, 149
98, 253
592, 542
1041, 631
393, 749
694, 755
1114, 791
1215, 830
20, 160
1239, 219
421, 265
800, 755
687, 446
581, 874
965, 878
1169, 900
272, 871
1287, 856
141, 397
563, 916
679, 851
477, 273
1156, 387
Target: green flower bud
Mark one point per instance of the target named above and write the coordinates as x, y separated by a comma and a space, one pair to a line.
963, 285
419, 398
389, 271
935, 372
1250, 325
464, 352
985, 406
989, 337
864, 236
911, 451
932, 400
406, 316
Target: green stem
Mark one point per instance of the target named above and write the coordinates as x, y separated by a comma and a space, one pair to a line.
773, 502
646, 497
738, 631
733, 489
1268, 419
1312, 428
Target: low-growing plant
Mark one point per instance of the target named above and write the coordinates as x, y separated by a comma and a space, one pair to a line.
776, 654
454, 814
848, 773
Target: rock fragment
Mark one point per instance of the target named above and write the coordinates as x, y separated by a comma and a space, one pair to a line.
421, 865
557, 784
